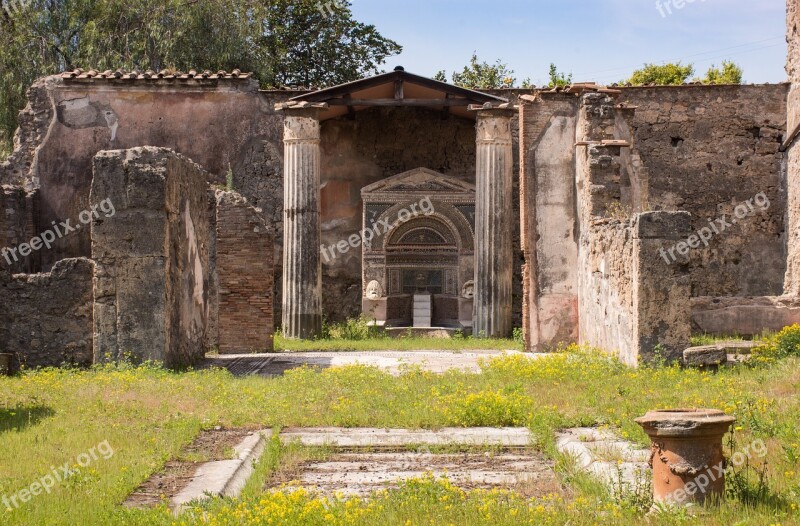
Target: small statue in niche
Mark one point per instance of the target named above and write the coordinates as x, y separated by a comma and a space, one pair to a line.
374, 290
468, 290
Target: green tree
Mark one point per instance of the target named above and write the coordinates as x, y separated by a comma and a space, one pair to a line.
558, 79
730, 73
482, 75
283, 42
662, 75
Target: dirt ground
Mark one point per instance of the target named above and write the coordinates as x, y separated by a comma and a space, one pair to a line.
211, 445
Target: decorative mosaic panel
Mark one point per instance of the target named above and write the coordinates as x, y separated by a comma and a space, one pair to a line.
468, 211
373, 212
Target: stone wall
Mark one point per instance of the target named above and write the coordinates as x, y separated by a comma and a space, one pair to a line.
244, 270
630, 300
18, 225
46, 319
151, 257
707, 149
700, 148
222, 125
792, 277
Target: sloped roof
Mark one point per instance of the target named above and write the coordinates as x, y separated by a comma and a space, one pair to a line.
398, 88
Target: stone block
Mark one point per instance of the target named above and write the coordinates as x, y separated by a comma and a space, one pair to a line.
743, 316
151, 283
707, 355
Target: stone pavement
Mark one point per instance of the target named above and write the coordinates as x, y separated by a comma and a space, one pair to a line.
393, 362
364, 460
617, 463
368, 460
361, 474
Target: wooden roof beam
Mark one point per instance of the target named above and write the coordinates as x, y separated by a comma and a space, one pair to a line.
427, 103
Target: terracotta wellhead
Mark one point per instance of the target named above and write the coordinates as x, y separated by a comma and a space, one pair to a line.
687, 459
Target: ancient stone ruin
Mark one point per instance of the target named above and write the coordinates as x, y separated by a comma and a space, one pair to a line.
625, 218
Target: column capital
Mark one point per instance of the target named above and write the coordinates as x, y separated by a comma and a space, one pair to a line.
301, 125
494, 125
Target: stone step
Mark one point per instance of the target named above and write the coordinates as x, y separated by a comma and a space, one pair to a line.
717, 353
225, 478
347, 438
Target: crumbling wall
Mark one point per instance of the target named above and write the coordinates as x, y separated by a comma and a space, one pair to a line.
631, 300
792, 277
227, 126
245, 275
18, 225
46, 319
34, 122
707, 149
152, 257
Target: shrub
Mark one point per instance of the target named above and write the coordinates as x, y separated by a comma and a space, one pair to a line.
782, 345
354, 329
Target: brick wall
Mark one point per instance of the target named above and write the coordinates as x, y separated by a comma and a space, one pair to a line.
245, 275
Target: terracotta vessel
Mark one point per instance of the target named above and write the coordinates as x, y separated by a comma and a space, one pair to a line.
687, 459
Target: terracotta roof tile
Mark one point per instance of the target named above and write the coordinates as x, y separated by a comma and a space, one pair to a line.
164, 74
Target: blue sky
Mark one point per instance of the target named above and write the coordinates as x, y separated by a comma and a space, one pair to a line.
597, 40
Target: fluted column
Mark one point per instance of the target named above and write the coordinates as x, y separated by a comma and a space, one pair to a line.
302, 267
494, 216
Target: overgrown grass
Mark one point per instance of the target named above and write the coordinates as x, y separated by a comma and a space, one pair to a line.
710, 339
359, 335
396, 344
148, 415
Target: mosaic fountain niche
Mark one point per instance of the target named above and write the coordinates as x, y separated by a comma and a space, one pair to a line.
419, 267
